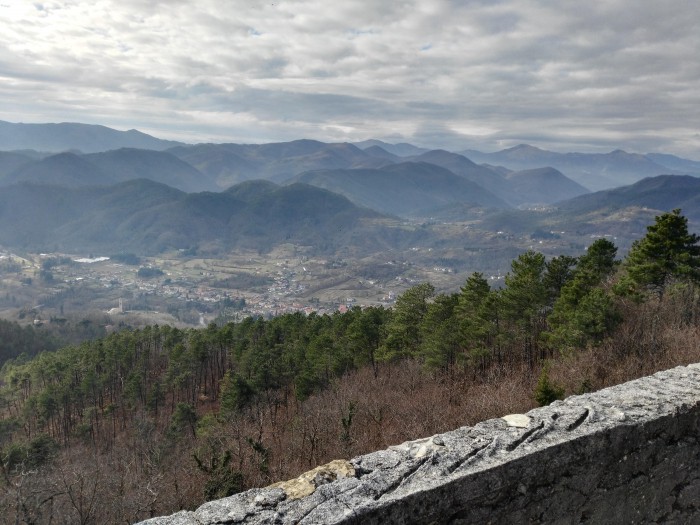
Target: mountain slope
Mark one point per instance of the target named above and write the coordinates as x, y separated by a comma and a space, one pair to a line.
684, 166
11, 161
543, 186
407, 189
402, 149
128, 163
662, 193
143, 216
70, 169
594, 171
72, 136
485, 177
233, 163
622, 213
62, 169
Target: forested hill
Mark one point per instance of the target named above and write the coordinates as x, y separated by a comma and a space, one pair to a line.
149, 421
147, 217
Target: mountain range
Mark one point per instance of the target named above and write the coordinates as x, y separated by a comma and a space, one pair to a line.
232, 163
162, 195
406, 189
65, 136
147, 217
595, 171
222, 165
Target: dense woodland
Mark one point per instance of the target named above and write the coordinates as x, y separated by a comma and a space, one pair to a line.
151, 421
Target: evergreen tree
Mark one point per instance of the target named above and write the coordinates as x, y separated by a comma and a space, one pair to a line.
477, 313
524, 302
584, 313
667, 252
440, 333
560, 270
404, 335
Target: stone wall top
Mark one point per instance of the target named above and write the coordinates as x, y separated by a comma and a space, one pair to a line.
628, 453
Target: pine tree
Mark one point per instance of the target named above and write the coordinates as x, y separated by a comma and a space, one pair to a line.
584, 313
404, 336
524, 302
477, 313
668, 252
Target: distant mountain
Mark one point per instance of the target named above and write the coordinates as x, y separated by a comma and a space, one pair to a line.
222, 162
252, 189
66, 136
104, 169
539, 186
381, 153
233, 163
128, 163
662, 193
543, 186
11, 161
684, 166
143, 216
403, 149
485, 177
407, 189
594, 171
621, 213
62, 169
522, 154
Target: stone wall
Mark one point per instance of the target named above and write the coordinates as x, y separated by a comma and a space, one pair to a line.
626, 454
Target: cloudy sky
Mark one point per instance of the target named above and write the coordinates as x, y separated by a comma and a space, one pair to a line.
485, 74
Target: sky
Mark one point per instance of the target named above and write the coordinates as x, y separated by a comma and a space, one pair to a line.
471, 74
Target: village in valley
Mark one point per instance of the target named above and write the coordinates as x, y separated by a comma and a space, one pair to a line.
184, 289
41, 288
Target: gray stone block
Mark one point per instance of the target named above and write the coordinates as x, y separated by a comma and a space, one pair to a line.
626, 454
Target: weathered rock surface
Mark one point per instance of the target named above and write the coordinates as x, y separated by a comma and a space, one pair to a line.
626, 454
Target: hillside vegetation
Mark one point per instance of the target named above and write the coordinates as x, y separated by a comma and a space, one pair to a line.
150, 421
143, 216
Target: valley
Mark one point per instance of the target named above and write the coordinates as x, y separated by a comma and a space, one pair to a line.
194, 234
187, 289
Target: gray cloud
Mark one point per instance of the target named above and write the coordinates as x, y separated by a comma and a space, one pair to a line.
458, 74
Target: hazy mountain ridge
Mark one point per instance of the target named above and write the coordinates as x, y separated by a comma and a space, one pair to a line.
65, 136
663, 193
622, 212
107, 168
233, 163
148, 217
11, 161
128, 163
63, 169
399, 179
408, 189
534, 184
595, 171
686, 166
402, 149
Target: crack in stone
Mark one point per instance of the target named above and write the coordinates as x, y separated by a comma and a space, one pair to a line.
516, 443
473, 453
411, 471
333, 497
579, 421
